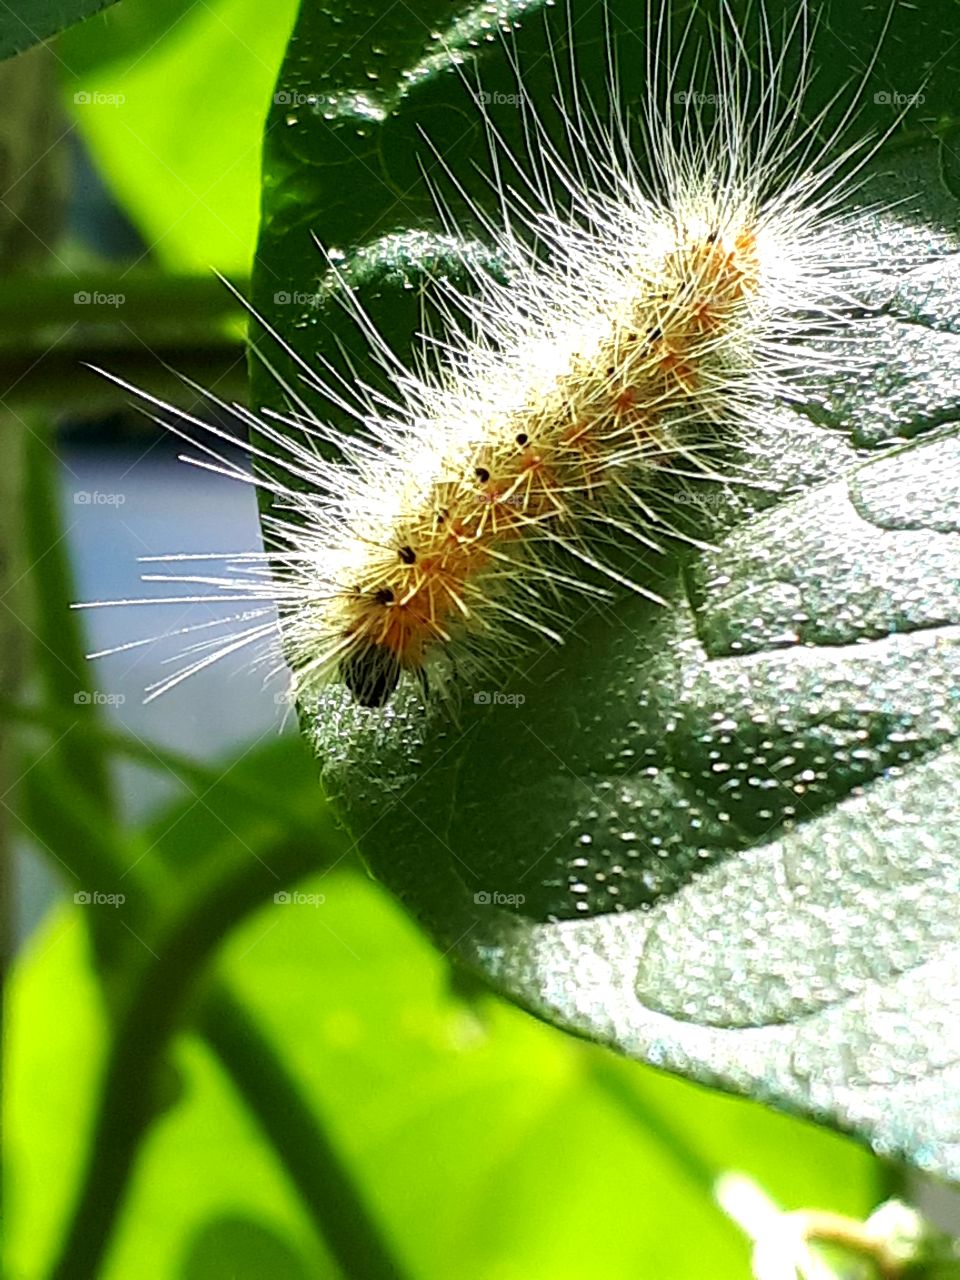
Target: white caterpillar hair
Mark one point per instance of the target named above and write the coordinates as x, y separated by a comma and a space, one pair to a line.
657, 281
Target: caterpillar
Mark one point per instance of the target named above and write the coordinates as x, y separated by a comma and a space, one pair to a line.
542, 446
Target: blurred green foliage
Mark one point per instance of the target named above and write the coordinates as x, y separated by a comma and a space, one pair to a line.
182, 149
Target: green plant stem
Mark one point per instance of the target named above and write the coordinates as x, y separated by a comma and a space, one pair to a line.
57, 377
246, 1055
144, 1029
311, 1159
192, 324
45, 551
30, 302
191, 772
98, 860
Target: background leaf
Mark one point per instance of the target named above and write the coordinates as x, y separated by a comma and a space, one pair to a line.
565, 1161
171, 104
31, 21
728, 823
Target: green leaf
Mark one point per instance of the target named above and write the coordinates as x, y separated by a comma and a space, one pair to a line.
174, 117
58, 644
54, 986
31, 21
565, 1161
716, 836
231, 1247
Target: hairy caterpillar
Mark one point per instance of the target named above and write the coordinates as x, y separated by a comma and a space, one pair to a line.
569, 407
